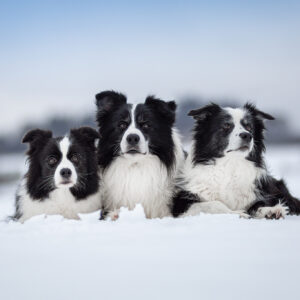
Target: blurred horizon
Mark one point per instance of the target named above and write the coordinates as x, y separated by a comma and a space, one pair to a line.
56, 55
278, 132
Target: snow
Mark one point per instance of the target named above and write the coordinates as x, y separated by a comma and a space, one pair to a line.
202, 257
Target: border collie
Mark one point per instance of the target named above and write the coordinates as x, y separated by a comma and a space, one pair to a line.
139, 154
225, 170
62, 177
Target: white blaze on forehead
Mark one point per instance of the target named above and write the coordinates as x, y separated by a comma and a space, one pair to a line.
132, 129
132, 113
65, 163
237, 115
64, 146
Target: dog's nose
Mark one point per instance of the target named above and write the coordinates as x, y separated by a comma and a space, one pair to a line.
245, 136
133, 139
65, 173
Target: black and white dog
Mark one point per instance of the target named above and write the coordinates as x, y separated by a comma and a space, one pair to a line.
139, 154
62, 177
225, 170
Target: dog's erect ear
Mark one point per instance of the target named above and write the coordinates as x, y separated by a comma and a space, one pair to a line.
203, 113
258, 113
86, 135
108, 100
36, 135
165, 108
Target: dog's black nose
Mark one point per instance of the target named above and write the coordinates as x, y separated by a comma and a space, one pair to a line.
133, 139
245, 136
65, 173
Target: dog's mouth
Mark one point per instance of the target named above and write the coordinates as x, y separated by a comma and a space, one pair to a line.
243, 148
133, 151
66, 182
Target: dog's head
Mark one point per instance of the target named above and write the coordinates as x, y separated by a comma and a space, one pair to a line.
221, 131
63, 162
132, 130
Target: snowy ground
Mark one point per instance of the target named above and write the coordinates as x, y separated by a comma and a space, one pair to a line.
203, 257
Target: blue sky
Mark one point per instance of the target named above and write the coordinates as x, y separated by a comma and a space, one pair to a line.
55, 55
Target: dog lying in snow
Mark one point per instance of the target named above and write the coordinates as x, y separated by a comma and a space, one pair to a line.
62, 177
225, 170
139, 154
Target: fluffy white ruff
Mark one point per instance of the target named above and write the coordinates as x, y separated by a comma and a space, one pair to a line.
60, 202
141, 179
276, 212
228, 185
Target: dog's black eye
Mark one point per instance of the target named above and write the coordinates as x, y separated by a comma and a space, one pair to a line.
123, 125
145, 126
52, 161
248, 127
226, 127
75, 158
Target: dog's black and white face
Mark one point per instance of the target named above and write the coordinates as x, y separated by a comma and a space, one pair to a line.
141, 129
135, 132
220, 131
63, 162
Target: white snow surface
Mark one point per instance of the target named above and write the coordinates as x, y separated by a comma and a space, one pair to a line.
202, 257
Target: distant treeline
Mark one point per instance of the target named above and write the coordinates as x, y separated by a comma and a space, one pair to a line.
278, 131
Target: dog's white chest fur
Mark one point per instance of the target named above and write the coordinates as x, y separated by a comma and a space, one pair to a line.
230, 180
134, 179
60, 202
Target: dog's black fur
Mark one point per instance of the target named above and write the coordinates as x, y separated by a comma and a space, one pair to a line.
182, 201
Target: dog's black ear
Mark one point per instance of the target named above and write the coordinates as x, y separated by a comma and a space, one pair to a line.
263, 115
203, 113
167, 109
108, 100
172, 105
36, 135
86, 135
257, 113
36, 138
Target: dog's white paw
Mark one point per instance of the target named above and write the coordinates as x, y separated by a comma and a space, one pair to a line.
243, 214
275, 212
113, 215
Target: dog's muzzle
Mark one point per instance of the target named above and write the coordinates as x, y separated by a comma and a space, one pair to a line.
133, 141
246, 138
